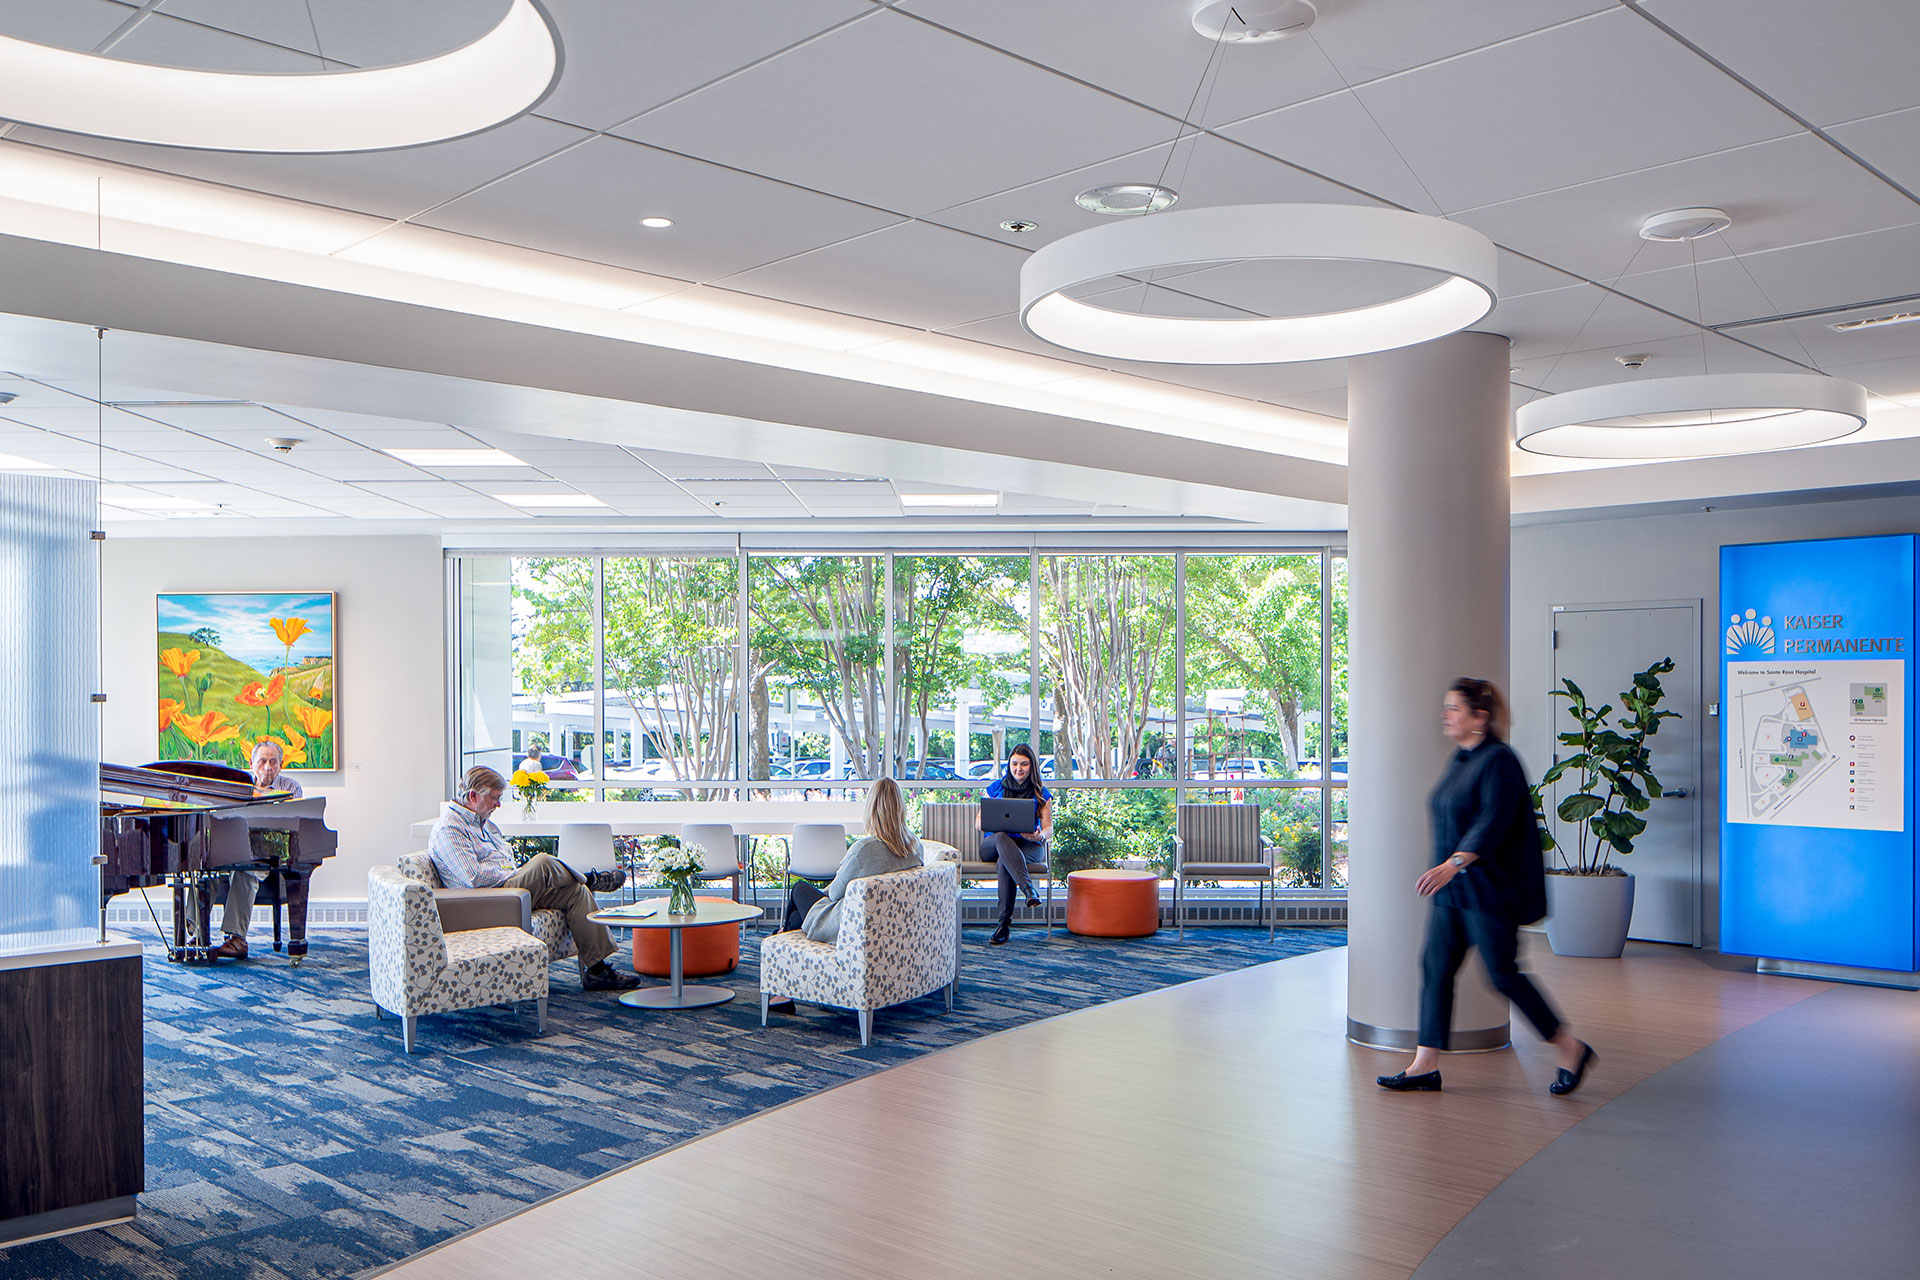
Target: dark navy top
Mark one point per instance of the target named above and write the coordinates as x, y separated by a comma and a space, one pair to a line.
1482, 807
996, 790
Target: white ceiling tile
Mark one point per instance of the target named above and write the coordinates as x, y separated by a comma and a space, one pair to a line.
1377, 37
1205, 171
1599, 96
1830, 62
1787, 191
172, 42
625, 58
1899, 376
1671, 358
898, 115
65, 24
913, 273
1334, 136
1578, 319
1890, 143
680, 465
372, 33
388, 184
1147, 50
587, 203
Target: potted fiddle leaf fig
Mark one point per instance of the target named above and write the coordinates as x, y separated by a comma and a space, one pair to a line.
1608, 761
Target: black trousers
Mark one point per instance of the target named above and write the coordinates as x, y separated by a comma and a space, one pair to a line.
1451, 932
801, 895
1012, 853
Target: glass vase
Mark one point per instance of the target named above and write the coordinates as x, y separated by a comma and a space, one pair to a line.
526, 806
680, 896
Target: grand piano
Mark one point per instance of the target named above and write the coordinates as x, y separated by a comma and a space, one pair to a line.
189, 823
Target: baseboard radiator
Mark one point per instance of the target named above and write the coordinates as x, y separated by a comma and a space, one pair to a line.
1329, 909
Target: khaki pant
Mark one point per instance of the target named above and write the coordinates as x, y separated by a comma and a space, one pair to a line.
555, 888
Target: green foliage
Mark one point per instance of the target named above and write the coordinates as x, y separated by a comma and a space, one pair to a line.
1080, 843
1611, 766
206, 636
1253, 622
524, 849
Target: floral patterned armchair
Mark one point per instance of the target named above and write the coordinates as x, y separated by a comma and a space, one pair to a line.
480, 908
899, 940
417, 969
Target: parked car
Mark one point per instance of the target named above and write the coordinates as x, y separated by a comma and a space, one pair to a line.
984, 769
807, 769
927, 769
557, 768
1311, 769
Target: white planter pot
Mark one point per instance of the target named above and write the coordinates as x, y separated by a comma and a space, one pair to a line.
1588, 915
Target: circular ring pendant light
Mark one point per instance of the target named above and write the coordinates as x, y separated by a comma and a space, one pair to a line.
477, 86
1463, 257
1692, 416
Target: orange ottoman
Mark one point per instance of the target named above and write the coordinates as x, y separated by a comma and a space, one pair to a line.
1113, 904
704, 950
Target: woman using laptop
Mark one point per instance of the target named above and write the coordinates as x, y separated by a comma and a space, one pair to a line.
1014, 850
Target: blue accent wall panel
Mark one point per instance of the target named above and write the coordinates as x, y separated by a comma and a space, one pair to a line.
1817, 849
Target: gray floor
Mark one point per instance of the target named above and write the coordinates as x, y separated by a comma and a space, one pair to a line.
1790, 1149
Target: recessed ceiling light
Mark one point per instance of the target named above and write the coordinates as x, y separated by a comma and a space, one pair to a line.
1875, 322
657, 224
441, 459
1122, 199
549, 499
949, 499
1019, 226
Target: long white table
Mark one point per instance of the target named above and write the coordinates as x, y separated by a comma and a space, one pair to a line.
666, 817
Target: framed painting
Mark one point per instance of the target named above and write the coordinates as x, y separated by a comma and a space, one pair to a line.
239, 666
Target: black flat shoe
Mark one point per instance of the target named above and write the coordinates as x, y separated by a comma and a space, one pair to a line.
1567, 1081
1401, 1082
1001, 934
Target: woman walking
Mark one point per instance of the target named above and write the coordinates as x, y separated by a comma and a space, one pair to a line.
1487, 880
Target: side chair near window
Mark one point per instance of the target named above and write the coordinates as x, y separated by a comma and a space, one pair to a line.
463, 909
1221, 842
586, 845
723, 856
953, 824
815, 852
899, 940
416, 967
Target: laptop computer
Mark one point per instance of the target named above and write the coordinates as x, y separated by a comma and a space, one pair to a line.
1018, 817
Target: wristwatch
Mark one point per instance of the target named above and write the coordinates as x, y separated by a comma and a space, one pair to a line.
1459, 863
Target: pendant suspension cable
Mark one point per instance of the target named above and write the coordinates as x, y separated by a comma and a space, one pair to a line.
1378, 127
1742, 263
1605, 293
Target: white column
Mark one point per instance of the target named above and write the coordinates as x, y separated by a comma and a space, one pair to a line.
1428, 513
962, 731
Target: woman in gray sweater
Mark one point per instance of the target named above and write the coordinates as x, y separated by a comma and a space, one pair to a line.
887, 846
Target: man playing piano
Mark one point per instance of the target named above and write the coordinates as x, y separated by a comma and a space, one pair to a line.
244, 886
469, 852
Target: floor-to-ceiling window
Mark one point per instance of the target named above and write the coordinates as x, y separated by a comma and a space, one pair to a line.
1143, 677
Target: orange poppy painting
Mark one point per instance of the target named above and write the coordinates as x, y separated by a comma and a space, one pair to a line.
238, 668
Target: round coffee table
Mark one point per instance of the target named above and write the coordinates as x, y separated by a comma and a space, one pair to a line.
677, 995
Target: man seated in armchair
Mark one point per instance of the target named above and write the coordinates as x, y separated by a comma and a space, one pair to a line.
469, 852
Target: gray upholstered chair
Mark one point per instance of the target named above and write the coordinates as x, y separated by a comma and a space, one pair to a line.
954, 824
463, 909
1221, 842
899, 940
416, 968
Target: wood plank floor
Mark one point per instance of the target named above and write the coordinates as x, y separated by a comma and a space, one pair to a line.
1221, 1128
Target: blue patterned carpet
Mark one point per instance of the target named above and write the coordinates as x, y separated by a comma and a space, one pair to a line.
288, 1135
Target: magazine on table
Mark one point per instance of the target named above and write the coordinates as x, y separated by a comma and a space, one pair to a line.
633, 910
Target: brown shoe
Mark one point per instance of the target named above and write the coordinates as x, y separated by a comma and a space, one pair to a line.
234, 948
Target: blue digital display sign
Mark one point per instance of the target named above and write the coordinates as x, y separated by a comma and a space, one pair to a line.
1817, 851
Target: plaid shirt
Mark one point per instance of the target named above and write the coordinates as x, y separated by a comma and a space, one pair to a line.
468, 852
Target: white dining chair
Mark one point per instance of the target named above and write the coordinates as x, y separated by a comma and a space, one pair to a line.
816, 851
586, 846
723, 860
